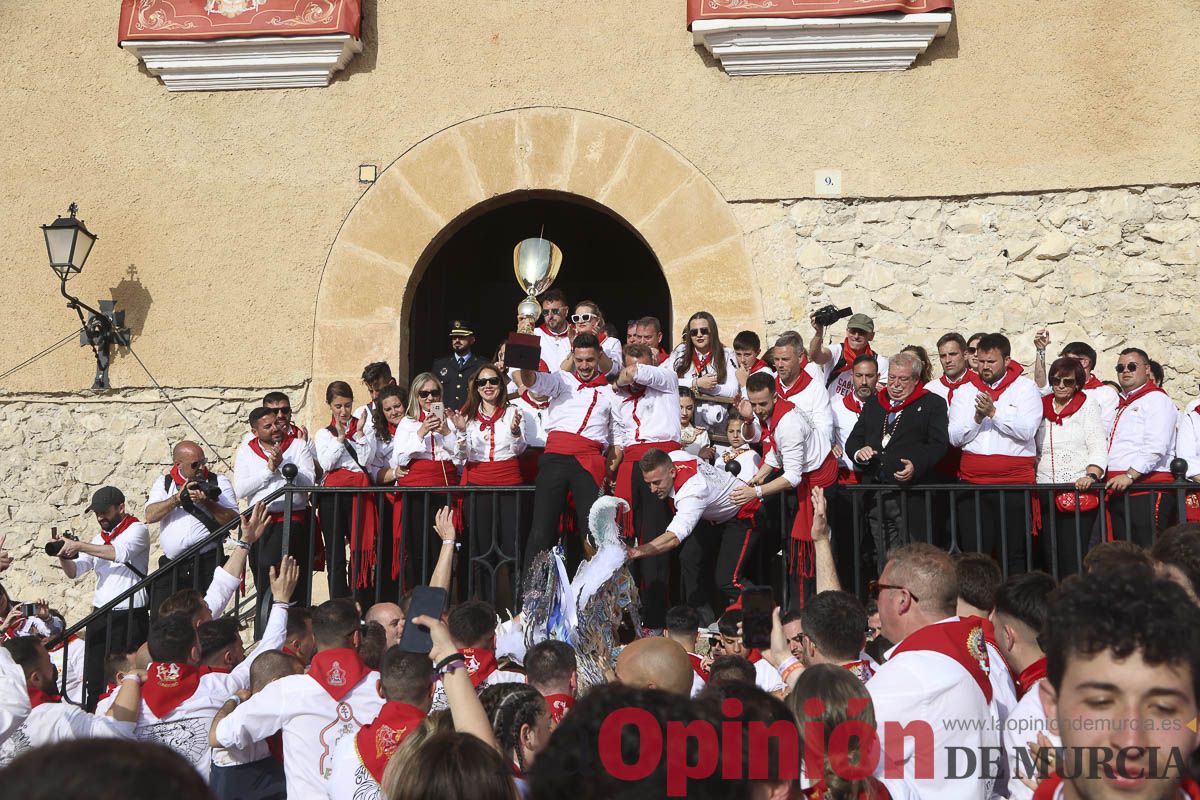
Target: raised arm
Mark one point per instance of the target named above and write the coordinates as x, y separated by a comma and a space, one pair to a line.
465, 708
443, 570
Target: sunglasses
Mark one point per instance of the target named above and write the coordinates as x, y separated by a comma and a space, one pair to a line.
699, 331
201, 463
875, 587
487, 381
1059, 381
1130, 367
429, 393
578, 318
281, 409
554, 312
970, 349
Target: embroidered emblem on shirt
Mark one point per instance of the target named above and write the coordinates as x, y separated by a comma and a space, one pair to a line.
977, 647
168, 675
337, 675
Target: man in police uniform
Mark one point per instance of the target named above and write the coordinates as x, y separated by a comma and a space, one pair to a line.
456, 371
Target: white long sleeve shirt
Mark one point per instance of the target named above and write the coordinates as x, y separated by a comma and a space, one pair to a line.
555, 346
709, 414
704, 496
332, 454
1187, 438
185, 728
615, 352
1077, 442
348, 776
1143, 434
813, 400
252, 481
1011, 431
798, 449
652, 416
72, 668
179, 530
536, 418
51, 723
586, 411
312, 723
495, 443
844, 420
408, 445
14, 696
113, 578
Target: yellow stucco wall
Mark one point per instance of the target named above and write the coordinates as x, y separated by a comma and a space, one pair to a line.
228, 203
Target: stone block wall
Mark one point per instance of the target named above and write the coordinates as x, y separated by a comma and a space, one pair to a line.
56, 449
1115, 267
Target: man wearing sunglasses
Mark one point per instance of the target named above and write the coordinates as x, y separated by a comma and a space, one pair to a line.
555, 329
187, 514
936, 678
456, 370
1141, 445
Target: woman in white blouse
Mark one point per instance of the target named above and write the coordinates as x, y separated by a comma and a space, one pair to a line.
425, 444
709, 369
491, 436
391, 404
344, 451
1071, 449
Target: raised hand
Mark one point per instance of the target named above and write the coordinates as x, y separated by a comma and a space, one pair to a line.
284, 579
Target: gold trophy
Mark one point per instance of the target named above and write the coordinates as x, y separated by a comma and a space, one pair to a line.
536, 263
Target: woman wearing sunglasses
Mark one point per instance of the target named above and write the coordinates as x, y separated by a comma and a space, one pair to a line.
709, 369
491, 436
426, 445
1070, 449
589, 319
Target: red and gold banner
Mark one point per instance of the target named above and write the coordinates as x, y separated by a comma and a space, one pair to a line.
159, 20
796, 9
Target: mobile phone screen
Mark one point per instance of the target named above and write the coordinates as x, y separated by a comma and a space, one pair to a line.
426, 601
757, 606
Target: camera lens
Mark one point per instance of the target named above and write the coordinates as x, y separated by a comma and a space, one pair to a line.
53, 546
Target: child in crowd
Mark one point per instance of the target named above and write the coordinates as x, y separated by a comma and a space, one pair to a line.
738, 452
694, 440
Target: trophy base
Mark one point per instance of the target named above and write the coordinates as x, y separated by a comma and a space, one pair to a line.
523, 351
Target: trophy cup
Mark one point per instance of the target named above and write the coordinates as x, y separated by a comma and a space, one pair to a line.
535, 262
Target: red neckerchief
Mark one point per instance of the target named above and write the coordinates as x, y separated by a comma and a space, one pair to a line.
698, 665
351, 428
1057, 417
891, 407
949, 384
549, 332
168, 684
860, 669
754, 655
559, 704
848, 356
37, 697
701, 364
684, 471
851, 402
1011, 373
11, 631
121, 527
663, 355
1093, 383
768, 435
961, 640
600, 337
796, 388
1149, 387
488, 423
378, 741
757, 365
1030, 676
391, 430
480, 664
177, 476
256, 446
529, 399
108, 690
338, 671
595, 383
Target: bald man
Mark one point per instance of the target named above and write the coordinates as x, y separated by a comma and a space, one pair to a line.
391, 618
186, 515
656, 663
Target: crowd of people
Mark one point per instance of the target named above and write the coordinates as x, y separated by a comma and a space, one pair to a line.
694, 441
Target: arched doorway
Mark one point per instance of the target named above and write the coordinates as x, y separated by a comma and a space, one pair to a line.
369, 286
467, 271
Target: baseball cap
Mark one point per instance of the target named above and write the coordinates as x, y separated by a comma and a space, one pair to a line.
460, 327
106, 497
861, 322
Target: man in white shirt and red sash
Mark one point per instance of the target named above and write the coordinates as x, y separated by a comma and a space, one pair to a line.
699, 491
864, 379
582, 407
952, 354
860, 331
555, 330
120, 557
1020, 616
647, 417
935, 681
1141, 445
257, 473
795, 445
1121, 687
333, 699
995, 419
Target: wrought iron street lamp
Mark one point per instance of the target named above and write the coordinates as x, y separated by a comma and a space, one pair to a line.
68, 245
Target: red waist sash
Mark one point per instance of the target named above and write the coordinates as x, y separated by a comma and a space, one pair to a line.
364, 521
588, 452
996, 469
505, 472
421, 472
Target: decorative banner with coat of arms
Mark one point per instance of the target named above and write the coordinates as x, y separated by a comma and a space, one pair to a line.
158, 20
797, 9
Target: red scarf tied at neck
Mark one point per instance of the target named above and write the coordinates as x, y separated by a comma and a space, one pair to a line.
700, 363
351, 427
168, 685
338, 671
1074, 404
37, 697
852, 402
1011, 373
848, 356
120, 528
480, 664
378, 741
891, 406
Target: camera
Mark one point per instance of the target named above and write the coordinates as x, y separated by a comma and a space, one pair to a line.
209, 486
55, 545
827, 315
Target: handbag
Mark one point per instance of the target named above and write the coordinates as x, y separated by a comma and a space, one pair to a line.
1065, 501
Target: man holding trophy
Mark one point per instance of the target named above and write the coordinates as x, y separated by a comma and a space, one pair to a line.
581, 412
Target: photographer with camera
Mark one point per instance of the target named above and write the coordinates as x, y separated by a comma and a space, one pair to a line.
120, 557
860, 331
189, 503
